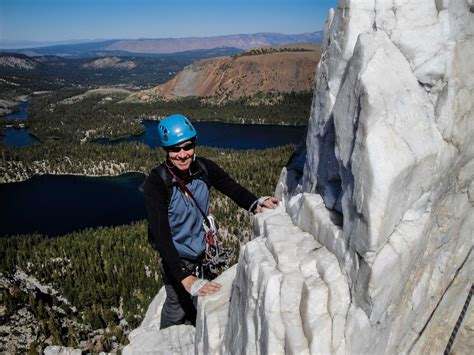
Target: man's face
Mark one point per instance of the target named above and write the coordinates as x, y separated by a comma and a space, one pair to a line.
181, 155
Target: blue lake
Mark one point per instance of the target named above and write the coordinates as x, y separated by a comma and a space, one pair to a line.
55, 205
21, 114
18, 137
226, 135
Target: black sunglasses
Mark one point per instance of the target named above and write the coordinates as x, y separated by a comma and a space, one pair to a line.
176, 149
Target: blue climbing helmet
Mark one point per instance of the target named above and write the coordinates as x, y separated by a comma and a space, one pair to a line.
175, 129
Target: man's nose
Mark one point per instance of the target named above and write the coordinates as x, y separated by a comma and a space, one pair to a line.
182, 153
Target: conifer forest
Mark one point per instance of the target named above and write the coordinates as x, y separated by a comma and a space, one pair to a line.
88, 289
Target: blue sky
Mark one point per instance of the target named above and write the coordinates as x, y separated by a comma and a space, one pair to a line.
56, 20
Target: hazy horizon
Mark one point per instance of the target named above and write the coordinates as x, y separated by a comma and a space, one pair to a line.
87, 20
24, 44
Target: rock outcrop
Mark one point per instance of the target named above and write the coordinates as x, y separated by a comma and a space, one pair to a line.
110, 63
6, 106
371, 248
17, 61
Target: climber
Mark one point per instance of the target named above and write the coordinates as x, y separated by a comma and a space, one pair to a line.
177, 201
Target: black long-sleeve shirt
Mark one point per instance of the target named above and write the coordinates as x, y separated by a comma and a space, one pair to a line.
156, 202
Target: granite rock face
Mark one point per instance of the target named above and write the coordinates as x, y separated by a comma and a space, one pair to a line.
370, 250
390, 147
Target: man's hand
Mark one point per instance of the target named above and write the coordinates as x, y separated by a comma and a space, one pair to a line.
209, 288
270, 202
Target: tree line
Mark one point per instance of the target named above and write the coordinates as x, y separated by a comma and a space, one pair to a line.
51, 118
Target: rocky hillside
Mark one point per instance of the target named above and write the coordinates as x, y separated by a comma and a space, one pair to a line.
5, 105
110, 63
266, 69
17, 61
23, 75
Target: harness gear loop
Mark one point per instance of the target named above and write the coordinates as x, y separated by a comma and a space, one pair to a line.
215, 258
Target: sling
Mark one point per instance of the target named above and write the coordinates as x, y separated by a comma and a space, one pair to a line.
215, 260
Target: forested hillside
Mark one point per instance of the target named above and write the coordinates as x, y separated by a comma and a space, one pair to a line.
23, 75
105, 277
89, 288
76, 115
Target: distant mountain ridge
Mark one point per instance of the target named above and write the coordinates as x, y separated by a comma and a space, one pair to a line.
242, 41
22, 74
170, 45
22, 44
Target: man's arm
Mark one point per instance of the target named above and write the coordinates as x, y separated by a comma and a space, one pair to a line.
228, 186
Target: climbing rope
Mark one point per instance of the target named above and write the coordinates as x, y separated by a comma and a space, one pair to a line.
459, 321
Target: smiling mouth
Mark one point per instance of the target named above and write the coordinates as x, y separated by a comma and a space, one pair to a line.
183, 162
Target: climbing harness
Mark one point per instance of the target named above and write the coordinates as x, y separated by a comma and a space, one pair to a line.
216, 257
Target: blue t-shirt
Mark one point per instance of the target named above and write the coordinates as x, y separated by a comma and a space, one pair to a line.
185, 219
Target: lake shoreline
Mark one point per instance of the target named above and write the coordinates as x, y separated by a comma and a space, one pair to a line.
20, 175
219, 134
241, 120
142, 120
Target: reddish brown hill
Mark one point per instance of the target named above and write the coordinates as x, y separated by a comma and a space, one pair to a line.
265, 69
